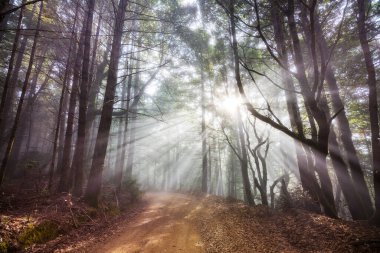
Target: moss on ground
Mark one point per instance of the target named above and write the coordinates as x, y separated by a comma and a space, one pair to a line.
3, 247
40, 233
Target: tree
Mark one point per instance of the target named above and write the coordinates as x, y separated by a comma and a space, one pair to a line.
95, 178
61, 102
308, 179
21, 101
11, 90
66, 177
10, 67
77, 165
372, 105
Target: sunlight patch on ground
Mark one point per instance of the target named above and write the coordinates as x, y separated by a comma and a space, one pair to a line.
147, 220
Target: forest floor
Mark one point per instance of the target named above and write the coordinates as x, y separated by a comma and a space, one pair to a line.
173, 222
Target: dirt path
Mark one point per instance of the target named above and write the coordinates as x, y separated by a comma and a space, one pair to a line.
165, 226
180, 223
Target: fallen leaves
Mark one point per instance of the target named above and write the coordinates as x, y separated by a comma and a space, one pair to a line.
227, 226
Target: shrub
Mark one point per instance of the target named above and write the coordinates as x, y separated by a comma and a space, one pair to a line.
132, 188
297, 198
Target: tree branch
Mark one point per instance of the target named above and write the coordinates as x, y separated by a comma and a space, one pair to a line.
18, 7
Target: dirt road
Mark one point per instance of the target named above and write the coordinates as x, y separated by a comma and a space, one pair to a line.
165, 226
180, 223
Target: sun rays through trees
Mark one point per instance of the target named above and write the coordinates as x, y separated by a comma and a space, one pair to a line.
269, 102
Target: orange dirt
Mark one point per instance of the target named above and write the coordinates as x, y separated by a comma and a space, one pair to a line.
164, 226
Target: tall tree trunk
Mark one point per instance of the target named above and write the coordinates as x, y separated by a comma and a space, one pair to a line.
132, 137
244, 162
372, 105
122, 130
119, 151
209, 182
95, 178
231, 175
264, 183
62, 128
307, 178
93, 91
10, 67
133, 112
119, 173
65, 182
92, 101
204, 131
21, 101
61, 101
78, 159
220, 190
9, 101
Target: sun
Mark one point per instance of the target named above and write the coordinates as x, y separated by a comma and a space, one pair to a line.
229, 104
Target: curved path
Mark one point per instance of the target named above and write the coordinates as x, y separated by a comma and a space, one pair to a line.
165, 226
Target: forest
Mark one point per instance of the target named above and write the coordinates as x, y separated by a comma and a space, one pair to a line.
189, 126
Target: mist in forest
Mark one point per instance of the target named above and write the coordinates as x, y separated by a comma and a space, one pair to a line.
266, 102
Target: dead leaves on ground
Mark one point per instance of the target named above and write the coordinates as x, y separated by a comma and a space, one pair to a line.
227, 226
